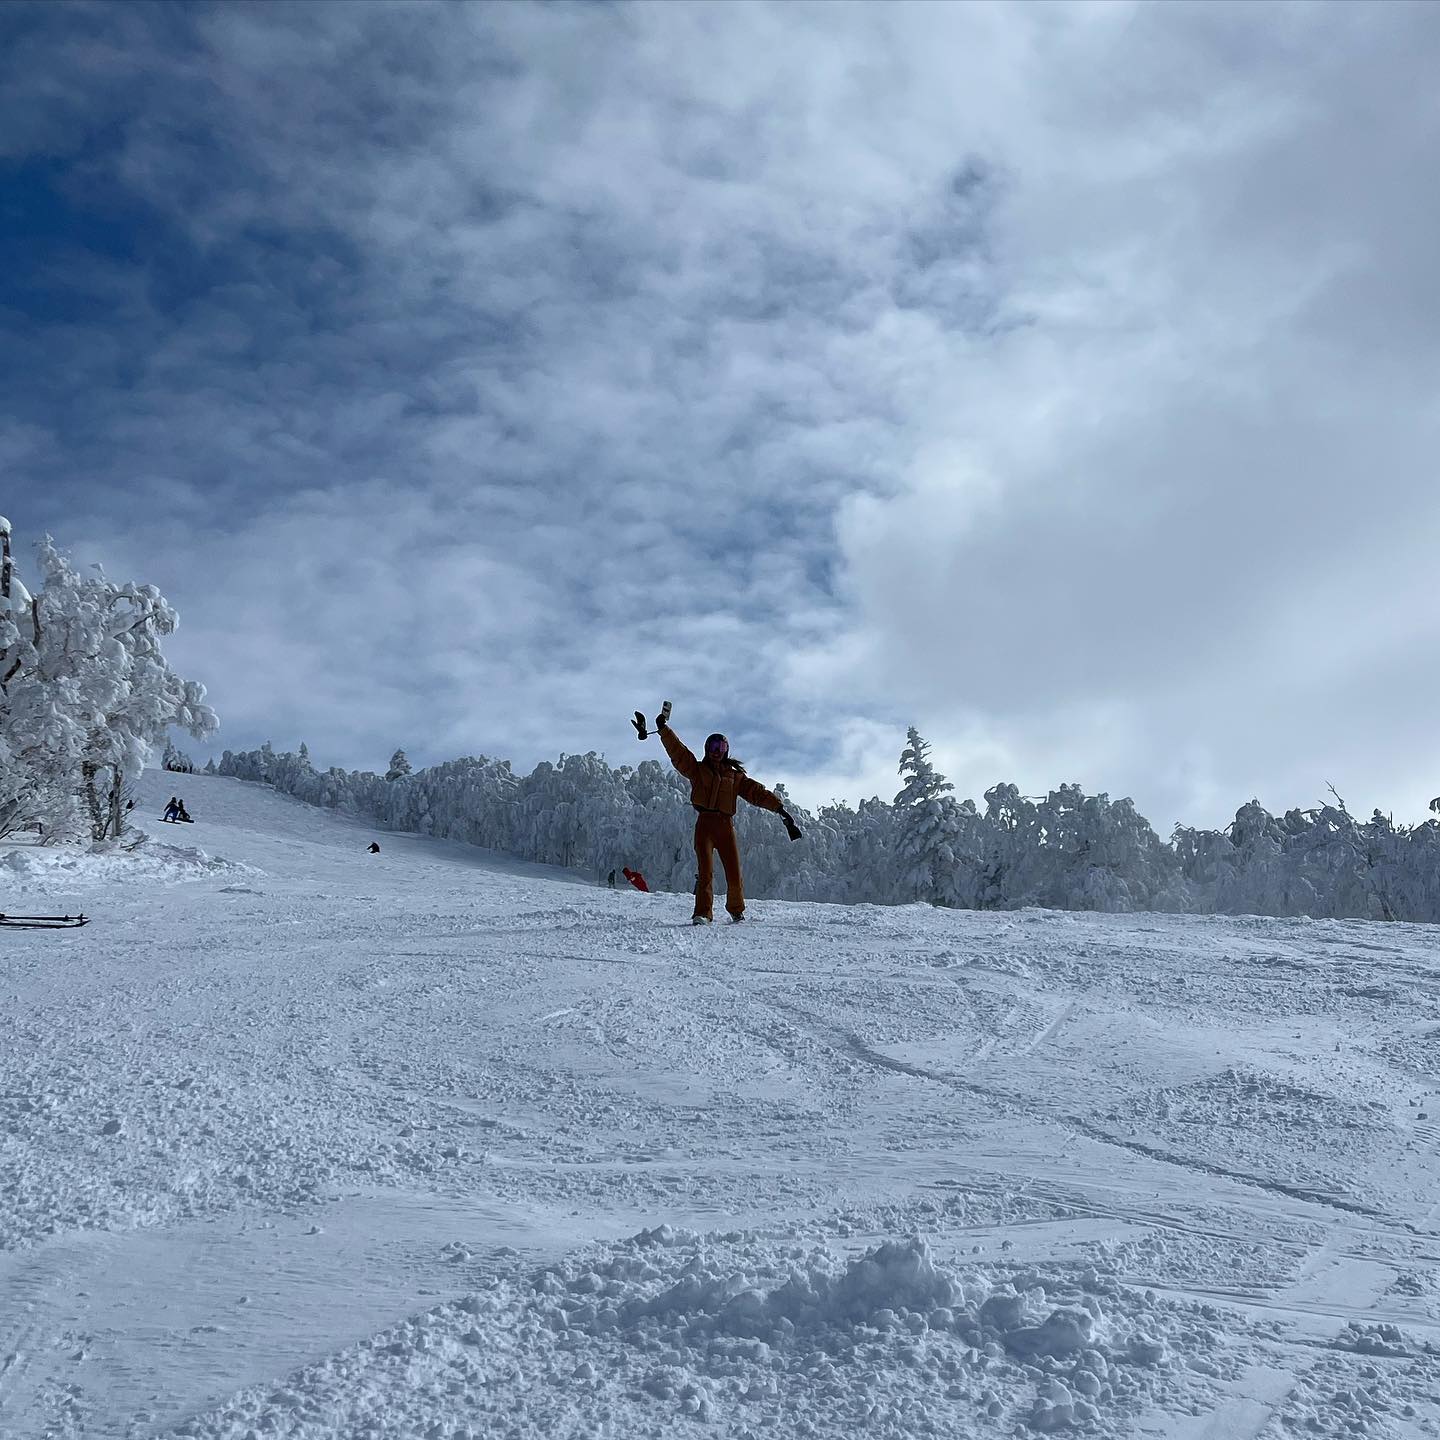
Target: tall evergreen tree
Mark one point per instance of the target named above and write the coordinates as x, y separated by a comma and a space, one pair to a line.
928, 829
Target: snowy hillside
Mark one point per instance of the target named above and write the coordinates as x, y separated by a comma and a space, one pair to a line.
299, 1140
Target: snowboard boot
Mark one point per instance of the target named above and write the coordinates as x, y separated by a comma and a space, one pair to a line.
700, 920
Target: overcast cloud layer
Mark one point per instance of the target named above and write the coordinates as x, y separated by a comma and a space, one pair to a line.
1059, 380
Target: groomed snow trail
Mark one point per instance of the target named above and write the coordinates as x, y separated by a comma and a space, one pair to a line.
298, 1140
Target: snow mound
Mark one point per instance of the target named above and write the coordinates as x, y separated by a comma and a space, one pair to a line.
1346, 1393
1260, 1099
1421, 1285
45, 870
755, 1338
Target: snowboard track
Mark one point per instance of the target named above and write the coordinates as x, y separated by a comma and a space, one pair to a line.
848, 1041
508, 1075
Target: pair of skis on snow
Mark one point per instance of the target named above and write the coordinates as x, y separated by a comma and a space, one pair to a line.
43, 922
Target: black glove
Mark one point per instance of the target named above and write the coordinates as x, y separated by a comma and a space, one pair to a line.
663, 718
791, 827
639, 723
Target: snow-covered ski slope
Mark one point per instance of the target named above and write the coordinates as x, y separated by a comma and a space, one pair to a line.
298, 1140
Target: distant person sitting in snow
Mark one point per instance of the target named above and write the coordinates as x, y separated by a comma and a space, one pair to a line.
182, 814
717, 783
374, 847
636, 879
171, 810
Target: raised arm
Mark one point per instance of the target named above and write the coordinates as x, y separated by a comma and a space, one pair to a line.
757, 794
680, 757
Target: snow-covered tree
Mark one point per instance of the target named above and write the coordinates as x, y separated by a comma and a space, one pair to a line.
862, 851
931, 843
1067, 849
33, 779
399, 766
176, 760
85, 691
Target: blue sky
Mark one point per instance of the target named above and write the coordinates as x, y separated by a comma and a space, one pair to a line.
1057, 379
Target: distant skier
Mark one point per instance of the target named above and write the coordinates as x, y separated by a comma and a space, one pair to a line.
182, 814
611, 881
636, 879
374, 847
716, 783
172, 810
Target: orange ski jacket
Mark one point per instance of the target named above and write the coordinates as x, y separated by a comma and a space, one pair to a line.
714, 788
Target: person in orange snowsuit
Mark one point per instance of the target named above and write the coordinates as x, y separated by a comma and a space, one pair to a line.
716, 783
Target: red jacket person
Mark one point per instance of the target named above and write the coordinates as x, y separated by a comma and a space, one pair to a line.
716, 783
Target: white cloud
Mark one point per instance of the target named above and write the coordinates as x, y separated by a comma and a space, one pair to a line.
1054, 378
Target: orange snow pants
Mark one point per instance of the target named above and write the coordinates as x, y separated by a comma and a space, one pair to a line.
717, 832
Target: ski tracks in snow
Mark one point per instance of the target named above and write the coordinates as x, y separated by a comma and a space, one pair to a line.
341, 1104
1312, 1374
1338, 1343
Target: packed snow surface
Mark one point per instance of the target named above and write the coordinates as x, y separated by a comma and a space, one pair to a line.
297, 1140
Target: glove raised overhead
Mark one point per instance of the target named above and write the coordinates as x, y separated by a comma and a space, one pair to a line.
661, 720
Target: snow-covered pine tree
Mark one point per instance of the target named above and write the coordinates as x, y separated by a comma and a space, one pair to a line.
399, 766
929, 830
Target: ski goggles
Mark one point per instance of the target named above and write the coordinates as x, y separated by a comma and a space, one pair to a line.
717, 745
